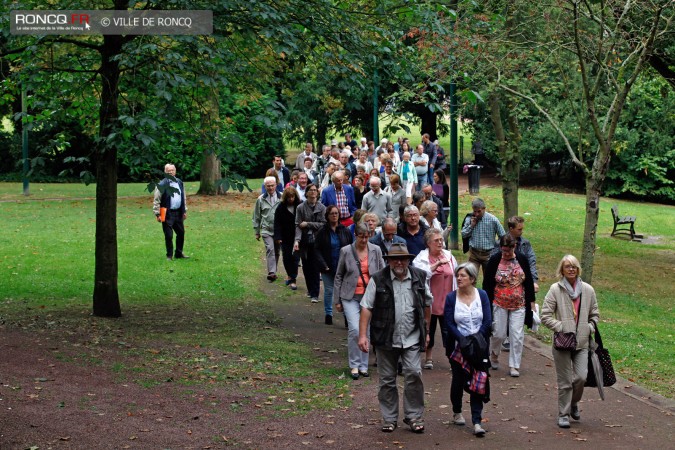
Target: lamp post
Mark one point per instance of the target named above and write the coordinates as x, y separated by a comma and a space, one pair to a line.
24, 142
376, 123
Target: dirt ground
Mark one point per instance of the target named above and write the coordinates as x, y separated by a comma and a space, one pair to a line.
47, 401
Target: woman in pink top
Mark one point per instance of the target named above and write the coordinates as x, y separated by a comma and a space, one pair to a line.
439, 264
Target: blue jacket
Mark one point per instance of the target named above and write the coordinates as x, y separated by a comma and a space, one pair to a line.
378, 240
328, 197
449, 317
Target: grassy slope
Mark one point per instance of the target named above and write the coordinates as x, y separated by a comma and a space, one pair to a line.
214, 299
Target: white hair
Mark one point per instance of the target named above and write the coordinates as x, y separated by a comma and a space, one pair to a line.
268, 179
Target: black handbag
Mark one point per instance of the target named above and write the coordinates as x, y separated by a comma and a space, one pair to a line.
564, 341
608, 375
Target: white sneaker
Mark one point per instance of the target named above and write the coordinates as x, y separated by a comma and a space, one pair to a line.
494, 361
478, 430
458, 419
514, 372
315, 300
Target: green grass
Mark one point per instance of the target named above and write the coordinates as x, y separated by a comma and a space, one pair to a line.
201, 321
204, 321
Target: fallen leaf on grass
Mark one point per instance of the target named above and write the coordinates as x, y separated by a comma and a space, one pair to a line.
64, 438
506, 420
357, 426
580, 439
523, 428
613, 426
303, 433
532, 431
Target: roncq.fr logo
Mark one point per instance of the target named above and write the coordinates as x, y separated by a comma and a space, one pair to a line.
51, 19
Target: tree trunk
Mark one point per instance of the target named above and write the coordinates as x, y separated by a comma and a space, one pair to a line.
321, 131
509, 153
429, 124
511, 164
106, 295
590, 228
210, 173
594, 183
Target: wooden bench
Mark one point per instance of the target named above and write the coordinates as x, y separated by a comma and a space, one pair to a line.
624, 224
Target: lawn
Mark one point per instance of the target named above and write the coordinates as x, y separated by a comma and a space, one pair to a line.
187, 309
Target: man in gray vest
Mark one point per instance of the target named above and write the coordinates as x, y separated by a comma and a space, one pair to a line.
398, 301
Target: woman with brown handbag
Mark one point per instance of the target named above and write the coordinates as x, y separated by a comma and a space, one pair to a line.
570, 307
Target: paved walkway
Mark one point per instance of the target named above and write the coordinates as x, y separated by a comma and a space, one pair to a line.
522, 412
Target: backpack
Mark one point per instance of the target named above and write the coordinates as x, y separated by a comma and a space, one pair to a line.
465, 240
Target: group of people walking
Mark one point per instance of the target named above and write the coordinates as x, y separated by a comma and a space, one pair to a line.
397, 284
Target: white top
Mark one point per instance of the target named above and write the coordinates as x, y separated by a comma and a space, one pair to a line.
176, 198
469, 318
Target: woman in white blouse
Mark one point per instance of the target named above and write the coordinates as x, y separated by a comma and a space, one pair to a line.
467, 312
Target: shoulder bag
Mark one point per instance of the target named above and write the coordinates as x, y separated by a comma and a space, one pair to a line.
566, 341
608, 375
358, 264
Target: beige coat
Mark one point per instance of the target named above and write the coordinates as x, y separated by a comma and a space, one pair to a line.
558, 313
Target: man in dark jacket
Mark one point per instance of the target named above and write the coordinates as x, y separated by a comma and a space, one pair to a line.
412, 230
170, 200
282, 172
387, 237
398, 301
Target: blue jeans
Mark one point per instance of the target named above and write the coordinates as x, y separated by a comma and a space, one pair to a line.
357, 358
328, 280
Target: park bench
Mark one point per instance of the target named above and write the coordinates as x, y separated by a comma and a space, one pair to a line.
624, 224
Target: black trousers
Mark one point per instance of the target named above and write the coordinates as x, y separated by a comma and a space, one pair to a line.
310, 268
459, 379
173, 222
290, 259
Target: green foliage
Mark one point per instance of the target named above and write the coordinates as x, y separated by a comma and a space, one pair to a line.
643, 165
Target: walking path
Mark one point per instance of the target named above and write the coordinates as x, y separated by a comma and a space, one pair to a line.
522, 412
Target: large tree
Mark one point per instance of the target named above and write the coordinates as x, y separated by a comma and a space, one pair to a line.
116, 85
611, 42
